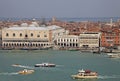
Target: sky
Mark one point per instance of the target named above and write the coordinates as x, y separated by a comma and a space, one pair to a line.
59, 8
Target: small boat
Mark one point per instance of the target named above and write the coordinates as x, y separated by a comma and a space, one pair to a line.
45, 65
25, 71
16, 65
85, 74
113, 55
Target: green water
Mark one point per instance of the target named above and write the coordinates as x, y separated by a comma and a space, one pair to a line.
68, 63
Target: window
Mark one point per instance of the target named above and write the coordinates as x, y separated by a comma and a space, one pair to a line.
7, 34
73, 40
20, 34
38, 35
58, 39
31, 34
67, 40
45, 35
26, 35
13, 34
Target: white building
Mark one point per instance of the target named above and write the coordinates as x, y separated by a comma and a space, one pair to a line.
26, 37
29, 36
0, 38
89, 40
57, 31
67, 41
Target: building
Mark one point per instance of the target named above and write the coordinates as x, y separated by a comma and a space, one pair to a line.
89, 40
57, 31
30, 36
67, 41
26, 38
110, 37
0, 38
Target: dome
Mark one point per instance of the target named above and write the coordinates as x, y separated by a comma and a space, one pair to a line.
24, 24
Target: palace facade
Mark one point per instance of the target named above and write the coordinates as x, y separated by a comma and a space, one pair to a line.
26, 37
89, 40
67, 41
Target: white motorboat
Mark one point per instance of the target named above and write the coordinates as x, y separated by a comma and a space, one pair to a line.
45, 65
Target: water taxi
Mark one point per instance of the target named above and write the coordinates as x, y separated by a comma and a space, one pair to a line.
16, 65
113, 55
45, 65
25, 71
85, 74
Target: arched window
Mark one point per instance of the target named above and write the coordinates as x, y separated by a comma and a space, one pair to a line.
36, 45
31, 34
13, 34
28, 45
12, 44
26, 35
17, 44
33, 44
22, 44
67, 40
20, 34
4, 44
73, 40
25, 44
7, 34
45, 35
38, 35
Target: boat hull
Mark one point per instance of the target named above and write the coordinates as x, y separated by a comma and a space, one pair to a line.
83, 77
23, 72
45, 65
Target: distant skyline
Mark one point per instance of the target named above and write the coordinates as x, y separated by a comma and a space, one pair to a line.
59, 8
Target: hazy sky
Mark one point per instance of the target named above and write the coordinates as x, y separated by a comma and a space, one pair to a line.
59, 8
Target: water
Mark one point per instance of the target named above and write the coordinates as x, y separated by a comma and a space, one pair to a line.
68, 63
94, 19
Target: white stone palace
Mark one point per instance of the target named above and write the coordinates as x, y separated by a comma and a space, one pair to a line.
29, 37
67, 41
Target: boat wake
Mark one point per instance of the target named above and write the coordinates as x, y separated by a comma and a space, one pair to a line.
6, 73
108, 77
36, 68
27, 67
59, 65
46, 68
23, 66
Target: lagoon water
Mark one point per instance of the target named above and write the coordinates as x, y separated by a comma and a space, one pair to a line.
68, 63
